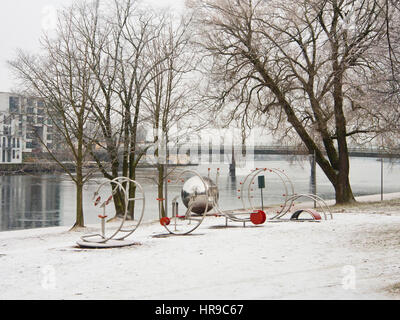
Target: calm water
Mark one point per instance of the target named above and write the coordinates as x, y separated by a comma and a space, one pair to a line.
43, 201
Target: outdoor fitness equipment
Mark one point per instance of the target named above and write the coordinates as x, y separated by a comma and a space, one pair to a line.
319, 202
247, 187
200, 195
102, 199
253, 215
289, 197
197, 195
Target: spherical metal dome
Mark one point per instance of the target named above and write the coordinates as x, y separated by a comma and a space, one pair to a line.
194, 189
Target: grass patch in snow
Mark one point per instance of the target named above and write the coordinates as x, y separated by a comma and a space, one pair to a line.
387, 205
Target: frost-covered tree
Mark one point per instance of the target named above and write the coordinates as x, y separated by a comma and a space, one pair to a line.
293, 64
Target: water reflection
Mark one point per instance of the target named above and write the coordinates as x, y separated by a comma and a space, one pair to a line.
29, 202
43, 201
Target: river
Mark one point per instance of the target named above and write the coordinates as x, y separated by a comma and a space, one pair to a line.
45, 201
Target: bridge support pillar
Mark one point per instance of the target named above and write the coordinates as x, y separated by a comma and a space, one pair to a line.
232, 166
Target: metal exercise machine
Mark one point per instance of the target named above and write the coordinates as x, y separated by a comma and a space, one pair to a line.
102, 199
200, 195
289, 198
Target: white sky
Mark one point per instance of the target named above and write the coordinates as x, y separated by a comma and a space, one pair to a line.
22, 22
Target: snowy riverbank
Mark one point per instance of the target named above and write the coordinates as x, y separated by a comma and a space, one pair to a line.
354, 256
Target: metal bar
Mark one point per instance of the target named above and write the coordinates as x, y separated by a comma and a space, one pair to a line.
135, 199
381, 179
314, 177
166, 176
262, 200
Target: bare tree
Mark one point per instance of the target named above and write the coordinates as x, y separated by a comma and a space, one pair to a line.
376, 90
123, 65
61, 78
293, 63
119, 70
170, 99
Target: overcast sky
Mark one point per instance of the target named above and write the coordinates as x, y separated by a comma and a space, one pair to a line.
23, 21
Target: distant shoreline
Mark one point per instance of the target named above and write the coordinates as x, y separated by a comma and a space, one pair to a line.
51, 167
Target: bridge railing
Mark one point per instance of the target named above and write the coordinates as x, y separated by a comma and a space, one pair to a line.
259, 149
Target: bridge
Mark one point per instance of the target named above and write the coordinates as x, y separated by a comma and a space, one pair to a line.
279, 150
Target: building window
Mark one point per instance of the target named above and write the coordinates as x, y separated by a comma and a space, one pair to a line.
13, 143
14, 104
13, 154
30, 110
18, 143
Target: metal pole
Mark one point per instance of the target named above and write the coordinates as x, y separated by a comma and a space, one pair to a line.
103, 223
381, 179
314, 177
175, 210
166, 176
262, 200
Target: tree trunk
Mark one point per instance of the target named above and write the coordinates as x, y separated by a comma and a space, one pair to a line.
342, 186
79, 182
79, 223
132, 195
119, 202
160, 187
343, 191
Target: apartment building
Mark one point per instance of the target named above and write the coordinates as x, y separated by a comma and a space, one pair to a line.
23, 125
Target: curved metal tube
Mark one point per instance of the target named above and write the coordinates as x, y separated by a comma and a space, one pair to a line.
188, 211
322, 204
118, 182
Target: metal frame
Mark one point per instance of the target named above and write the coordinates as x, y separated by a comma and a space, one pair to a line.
178, 223
286, 182
102, 239
289, 199
326, 211
237, 215
233, 215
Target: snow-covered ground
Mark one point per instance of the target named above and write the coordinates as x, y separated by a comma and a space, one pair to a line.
354, 256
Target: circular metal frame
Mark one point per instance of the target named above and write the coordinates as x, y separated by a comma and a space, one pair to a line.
234, 215
288, 198
183, 225
286, 182
101, 240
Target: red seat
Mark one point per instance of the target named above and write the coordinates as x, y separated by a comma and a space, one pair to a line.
258, 217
